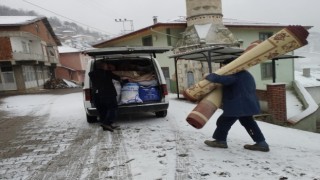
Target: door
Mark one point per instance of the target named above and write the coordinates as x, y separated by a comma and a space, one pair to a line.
8, 81
190, 79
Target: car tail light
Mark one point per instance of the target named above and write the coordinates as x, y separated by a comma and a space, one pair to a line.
164, 89
87, 94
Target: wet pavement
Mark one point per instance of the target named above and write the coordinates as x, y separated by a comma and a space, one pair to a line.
64, 146
31, 147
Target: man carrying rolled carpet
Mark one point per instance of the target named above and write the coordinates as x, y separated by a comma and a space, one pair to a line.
239, 102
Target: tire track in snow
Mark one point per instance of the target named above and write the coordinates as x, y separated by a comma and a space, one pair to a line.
69, 164
112, 161
95, 154
185, 168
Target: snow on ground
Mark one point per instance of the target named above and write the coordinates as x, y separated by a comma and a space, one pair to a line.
312, 81
169, 148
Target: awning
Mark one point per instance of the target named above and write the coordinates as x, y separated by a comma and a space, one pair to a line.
209, 54
218, 54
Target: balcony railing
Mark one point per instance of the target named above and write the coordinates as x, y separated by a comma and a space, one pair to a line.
53, 59
20, 56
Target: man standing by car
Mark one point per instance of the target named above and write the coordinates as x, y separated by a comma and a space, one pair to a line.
105, 94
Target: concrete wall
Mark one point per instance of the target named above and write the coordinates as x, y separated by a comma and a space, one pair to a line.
308, 119
315, 93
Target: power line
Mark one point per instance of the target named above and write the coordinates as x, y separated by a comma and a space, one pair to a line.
124, 28
105, 9
67, 17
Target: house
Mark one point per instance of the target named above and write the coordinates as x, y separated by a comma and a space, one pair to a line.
72, 64
28, 52
158, 34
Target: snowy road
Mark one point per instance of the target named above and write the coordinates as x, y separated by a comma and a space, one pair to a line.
46, 136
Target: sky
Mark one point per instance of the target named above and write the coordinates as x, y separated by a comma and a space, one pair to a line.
162, 148
100, 15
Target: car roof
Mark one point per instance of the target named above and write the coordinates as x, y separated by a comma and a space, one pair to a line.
128, 50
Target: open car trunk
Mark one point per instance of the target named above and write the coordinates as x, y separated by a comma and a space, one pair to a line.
146, 90
143, 85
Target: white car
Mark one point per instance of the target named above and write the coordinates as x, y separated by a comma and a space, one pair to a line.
140, 63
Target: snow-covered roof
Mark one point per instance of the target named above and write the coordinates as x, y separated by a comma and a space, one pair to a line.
18, 20
80, 35
67, 49
68, 31
238, 22
312, 81
233, 22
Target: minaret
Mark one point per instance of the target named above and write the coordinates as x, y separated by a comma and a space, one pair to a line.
204, 12
205, 26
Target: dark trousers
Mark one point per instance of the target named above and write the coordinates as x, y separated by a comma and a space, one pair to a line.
224, 125
107, 108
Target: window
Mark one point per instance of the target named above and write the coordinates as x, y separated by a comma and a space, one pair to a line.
190, 79
39, 72
168, 32
6, 69
165, 71
147, 41
29, 73
266, 71
25, 47
37, 28
51, 51
46, 72
264, 35
8, 76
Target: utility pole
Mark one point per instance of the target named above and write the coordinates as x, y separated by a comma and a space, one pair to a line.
123, 21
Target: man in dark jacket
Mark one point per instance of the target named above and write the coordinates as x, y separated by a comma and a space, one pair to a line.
239, 101
105, 95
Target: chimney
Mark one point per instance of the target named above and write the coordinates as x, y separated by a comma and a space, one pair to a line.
205, 26
155, 19
306, 72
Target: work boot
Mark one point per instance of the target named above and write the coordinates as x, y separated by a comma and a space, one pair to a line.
107, 127
115, 127
261, 146
216, 144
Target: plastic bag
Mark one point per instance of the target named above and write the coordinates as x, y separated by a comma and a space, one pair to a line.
130, 94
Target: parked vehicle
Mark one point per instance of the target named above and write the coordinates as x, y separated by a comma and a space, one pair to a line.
146, 77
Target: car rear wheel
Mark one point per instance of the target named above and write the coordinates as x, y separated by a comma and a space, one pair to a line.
91, 119
161, 113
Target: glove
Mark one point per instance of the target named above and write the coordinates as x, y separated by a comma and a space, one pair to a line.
123, 82
211, 77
